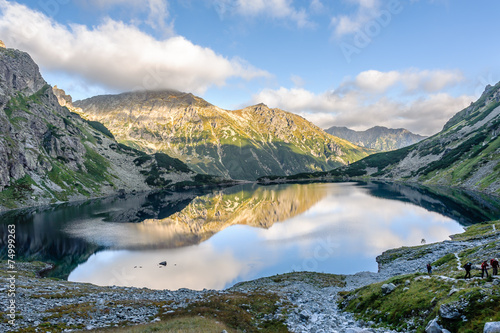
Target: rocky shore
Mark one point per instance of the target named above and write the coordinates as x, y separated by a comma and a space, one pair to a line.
308, 302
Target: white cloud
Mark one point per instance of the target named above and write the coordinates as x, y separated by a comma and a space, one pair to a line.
276, 9
117, 55
412, 80
417, 103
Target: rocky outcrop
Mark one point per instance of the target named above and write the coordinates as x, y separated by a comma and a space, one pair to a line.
2, 45
48, 154
63, 98
378, 137
243, 144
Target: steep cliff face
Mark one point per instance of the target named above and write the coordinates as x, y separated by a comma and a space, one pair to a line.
465, 153
243, 144
378, 137
48, 154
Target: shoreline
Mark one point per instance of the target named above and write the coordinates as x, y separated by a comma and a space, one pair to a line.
4, 210
307, 301
232, 183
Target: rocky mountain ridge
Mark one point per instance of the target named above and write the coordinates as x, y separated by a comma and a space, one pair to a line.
49, 154
379, 138
241, 144
466, 153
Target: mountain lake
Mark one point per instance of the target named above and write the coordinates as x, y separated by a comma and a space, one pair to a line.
215, 238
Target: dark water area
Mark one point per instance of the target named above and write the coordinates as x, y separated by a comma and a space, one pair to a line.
217, 238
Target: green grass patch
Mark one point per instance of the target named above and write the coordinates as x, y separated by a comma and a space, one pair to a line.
17, 192
242, 312
96, 165
101, 128
478, 231
191, 324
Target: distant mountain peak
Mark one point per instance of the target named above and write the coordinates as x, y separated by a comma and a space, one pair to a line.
378, 137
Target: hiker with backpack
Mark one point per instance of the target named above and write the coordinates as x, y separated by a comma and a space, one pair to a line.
467, 267
484, 269
429, 269
494, 265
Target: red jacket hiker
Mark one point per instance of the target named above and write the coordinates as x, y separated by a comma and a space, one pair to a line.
494, 264
484, 268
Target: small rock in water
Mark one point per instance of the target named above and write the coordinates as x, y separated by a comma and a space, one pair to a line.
163, 263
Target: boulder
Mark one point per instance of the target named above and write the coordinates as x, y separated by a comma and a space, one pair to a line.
304, 315
492, 327
388, 288
450, 311
433, 327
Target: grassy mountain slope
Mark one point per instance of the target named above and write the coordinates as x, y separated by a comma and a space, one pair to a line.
466, 153
378, 137
242, 144
458, 304
49, 154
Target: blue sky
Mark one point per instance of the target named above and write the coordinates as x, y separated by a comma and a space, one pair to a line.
355, 63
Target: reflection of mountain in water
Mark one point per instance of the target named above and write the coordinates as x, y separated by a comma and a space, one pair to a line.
41, 232
39, 237
250, 205
69, 234
466, 207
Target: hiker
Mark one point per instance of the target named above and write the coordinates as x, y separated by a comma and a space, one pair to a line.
429, 269
484, 268
494, 264
468, 267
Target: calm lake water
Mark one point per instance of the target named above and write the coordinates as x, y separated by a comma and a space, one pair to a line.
214, 240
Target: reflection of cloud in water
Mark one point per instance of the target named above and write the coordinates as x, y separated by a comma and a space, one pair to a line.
133, 235
195, 267
359, 223
336, 228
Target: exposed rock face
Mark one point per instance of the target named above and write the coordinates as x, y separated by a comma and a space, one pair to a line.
48, 154
2, 44
244, 144
378, 137
465, 153
63, 98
